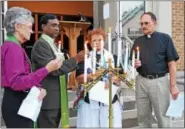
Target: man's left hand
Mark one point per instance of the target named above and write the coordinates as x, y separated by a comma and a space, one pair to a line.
174, 92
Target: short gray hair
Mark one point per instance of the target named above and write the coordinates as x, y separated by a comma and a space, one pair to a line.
16, 15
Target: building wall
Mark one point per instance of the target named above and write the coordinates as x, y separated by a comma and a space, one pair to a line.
178, 33
57, 7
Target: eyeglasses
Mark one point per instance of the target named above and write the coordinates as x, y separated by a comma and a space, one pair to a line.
145, 23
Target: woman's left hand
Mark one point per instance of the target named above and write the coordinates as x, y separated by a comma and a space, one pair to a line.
42, 94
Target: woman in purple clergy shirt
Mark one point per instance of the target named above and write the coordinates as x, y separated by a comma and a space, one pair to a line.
16, 76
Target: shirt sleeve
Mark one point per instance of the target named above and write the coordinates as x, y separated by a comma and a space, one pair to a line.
171, 52
41, 55
18, 78
80, 69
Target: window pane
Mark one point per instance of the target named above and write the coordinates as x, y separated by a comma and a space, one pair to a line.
131, 12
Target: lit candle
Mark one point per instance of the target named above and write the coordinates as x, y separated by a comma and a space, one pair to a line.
101, 52
126, 59
119, 53
138, 53
85, 63
59, 46
133, 64
109, 40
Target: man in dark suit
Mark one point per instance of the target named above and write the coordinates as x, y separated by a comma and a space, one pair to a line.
43, 51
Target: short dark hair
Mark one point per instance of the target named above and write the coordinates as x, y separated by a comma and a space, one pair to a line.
45, 18
153, 17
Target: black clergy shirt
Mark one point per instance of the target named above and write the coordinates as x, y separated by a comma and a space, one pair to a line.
155, 53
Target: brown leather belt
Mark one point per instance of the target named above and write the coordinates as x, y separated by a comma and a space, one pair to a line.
153, 76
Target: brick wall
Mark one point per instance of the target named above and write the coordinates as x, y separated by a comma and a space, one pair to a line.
178, 33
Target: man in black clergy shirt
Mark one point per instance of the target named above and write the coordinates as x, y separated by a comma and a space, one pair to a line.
158, 57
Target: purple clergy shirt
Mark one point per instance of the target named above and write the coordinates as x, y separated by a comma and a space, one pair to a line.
15, 68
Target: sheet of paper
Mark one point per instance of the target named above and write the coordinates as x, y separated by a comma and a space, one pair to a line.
99, 93
30, 107
176, 107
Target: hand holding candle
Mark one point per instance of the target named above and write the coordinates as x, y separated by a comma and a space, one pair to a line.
137, 62
138, 53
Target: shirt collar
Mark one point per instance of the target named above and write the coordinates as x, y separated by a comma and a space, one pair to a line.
151, 35
47, 38
13, 39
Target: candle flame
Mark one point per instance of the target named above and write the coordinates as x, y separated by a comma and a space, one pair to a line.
109, 29
86, 42
137, 48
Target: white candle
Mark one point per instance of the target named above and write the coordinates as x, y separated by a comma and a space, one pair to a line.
119, 53
94, 59
133, 64
85, 63
138, 53
101, 52
59, 46
126, 59
109, 41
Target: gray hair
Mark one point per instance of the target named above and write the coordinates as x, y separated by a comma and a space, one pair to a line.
16, 15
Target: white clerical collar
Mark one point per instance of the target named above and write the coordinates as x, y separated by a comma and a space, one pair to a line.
149, 36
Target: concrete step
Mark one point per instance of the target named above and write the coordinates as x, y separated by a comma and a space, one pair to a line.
130, 120
176, 124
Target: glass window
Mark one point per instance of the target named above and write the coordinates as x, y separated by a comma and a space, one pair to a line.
131, 12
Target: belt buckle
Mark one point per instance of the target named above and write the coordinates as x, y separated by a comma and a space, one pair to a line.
150, 76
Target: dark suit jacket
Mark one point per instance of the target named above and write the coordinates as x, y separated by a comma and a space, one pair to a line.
40, 56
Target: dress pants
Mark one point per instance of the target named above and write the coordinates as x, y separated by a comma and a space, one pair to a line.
49, 118
152, 93
96, 115
10, 106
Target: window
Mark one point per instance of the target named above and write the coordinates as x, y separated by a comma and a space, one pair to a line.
131, 12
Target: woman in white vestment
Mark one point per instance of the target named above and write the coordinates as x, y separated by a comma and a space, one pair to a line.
91, 113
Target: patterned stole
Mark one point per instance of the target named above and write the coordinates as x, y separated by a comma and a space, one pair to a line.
63, 95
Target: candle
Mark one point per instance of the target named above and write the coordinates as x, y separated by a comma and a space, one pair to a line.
85, 63
59, 46
94, 59
133, 64
109, 40
101, 52
119, 53
126, 59
138, 53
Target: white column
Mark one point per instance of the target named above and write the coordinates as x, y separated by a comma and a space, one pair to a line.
5, 9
